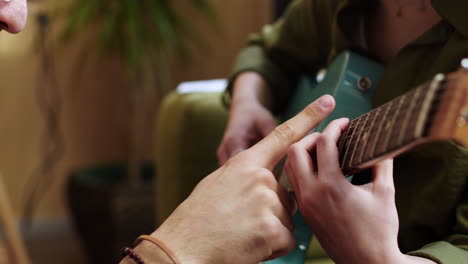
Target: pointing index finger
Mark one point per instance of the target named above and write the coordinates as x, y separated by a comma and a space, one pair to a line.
273, 147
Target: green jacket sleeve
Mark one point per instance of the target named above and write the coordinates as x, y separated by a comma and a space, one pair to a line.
455, 249
283, 51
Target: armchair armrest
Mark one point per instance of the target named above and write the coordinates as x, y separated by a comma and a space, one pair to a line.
190, 125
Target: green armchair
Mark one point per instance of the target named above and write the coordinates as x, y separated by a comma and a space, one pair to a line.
190, 126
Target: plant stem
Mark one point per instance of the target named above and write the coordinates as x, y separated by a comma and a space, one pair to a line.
145, 99
135, 158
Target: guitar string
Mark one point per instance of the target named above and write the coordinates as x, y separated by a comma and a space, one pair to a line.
416, 100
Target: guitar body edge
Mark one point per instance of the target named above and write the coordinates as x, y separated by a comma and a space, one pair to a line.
351, 80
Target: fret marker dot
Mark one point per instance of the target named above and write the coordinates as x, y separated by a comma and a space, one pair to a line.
463, 120
464, 63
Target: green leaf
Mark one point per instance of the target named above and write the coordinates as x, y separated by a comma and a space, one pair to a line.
134, 30
161, 25
110, 25
81, 15
207, 10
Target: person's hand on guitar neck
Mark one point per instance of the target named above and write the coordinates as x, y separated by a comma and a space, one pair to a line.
249, 117
354, 224
239, 213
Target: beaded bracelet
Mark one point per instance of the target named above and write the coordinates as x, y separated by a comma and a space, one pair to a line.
160, 245
126, 251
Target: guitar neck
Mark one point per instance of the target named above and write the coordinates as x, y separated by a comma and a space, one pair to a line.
424, 114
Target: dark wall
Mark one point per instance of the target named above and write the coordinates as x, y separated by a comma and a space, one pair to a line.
279, 7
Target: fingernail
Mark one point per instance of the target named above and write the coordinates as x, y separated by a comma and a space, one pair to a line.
325, 101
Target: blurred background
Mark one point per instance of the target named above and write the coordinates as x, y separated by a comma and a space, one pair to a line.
70, 84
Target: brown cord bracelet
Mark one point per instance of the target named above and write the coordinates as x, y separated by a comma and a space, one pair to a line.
126, 251
159, 244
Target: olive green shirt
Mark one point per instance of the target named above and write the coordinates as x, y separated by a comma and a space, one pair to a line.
432, 181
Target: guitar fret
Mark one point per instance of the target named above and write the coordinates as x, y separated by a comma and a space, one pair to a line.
354, 141
414, 96
411, 131
371, 145
358, 145
428, 98
367, 131
435, 102
375, 130
386, 124
341, 144
396, 124
380, 130
347, 143
368, 136
389, 126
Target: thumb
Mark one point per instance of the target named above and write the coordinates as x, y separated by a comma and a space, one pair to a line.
383, 175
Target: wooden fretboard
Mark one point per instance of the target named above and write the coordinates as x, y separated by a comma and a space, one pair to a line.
389, 127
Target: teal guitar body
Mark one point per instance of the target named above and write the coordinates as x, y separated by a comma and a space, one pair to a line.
351, 80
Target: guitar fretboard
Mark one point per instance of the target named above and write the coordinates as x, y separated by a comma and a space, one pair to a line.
389, 127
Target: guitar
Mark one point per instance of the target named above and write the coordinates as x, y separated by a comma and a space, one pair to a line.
436, 110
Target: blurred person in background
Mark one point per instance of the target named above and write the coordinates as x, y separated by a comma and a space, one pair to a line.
13, 14
414, 40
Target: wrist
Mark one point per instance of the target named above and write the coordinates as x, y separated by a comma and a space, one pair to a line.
251, 88
247, 106
149, 254
149, 250
394, 257
152, 254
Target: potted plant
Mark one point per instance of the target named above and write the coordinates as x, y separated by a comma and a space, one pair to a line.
146, 34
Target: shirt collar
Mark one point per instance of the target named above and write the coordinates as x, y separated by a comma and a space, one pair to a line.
453, 19
454, 12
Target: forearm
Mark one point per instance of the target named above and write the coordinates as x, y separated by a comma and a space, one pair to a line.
250, 87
